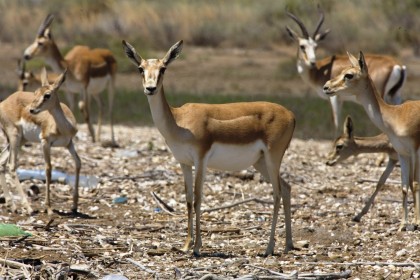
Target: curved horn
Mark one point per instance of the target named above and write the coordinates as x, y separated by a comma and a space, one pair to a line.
321, 20
45, 24
301, 25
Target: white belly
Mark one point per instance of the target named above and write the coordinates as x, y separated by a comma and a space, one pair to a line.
31, 132
97, 85
221, 156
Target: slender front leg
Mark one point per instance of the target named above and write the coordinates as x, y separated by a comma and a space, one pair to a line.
98, 101
14, 139
416, 189
405, 184
111, 93
8, 195
200, 173
84, 107
188, 183
46, 148
78, 165
389, 167
286, 194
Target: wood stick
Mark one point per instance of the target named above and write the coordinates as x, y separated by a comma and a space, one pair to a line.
140, 266
14, 264
252, 199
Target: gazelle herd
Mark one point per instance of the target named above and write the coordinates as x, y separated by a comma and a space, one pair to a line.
229, 136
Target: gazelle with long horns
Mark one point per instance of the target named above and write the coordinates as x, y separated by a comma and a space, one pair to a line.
222, 136
401, 123
348, 145
90, 71
386, 72
37, 117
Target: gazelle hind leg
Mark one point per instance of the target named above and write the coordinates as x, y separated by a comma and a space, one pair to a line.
405, 183
8, 195
416, 189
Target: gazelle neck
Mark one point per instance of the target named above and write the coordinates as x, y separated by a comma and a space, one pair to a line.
63, 123
374, 105
55, 59
375, 144
163, 116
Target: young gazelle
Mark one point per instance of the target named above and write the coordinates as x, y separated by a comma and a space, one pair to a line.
223, 136
386, 72
90, 71
37, 117
348, 145
401, 123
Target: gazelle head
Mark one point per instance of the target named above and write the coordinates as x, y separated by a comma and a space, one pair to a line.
43, 40
352, 80
307, 44
152, 70
344, 146
46, 97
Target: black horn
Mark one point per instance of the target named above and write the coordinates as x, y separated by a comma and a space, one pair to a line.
321, 20
45, 24
301, 25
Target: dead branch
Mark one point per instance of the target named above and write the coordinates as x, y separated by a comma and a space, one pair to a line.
165, 207
14, 264
252, 199
142, 267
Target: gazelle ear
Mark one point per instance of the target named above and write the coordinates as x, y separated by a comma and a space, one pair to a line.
362, 63
173, 53
321, 36
348, 127
44, 77
353, 60
60, 80
292, 33
131, 53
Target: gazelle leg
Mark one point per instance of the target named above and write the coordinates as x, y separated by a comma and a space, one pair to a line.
99, 102
8, 195
78, 165
416, 189
389, 167
405, 183
200, 173
14, 146
84, 106
188, 183
46, 148
111, 93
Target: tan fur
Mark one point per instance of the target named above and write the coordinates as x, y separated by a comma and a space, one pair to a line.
22, 115
83, 64
401, 123
198, 134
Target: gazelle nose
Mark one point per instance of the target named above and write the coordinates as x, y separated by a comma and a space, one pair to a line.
150, 89
27, 57
326, 88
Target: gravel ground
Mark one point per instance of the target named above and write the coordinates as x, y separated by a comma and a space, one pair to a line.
139, 238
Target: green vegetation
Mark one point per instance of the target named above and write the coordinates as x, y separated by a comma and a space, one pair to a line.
313, 115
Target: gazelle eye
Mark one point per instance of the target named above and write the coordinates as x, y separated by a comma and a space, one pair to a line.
348, 76
47, 96
141, 70
339, 147
40, 44
162, 70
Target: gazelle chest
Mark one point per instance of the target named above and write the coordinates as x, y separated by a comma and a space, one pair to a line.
222, 156
31, 132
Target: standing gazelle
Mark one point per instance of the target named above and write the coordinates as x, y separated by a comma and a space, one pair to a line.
37, 117
90, 71
348, 145
221, 136
387, 73
401, 123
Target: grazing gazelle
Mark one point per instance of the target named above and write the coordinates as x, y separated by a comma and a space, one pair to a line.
37, 117
348, 145
90, 71
401, 123
222, 136
386, 72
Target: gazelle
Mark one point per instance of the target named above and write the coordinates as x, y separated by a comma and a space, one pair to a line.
29, 80
221, 136
348, 145
401, 123
90, 71
37, 117
386, 72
